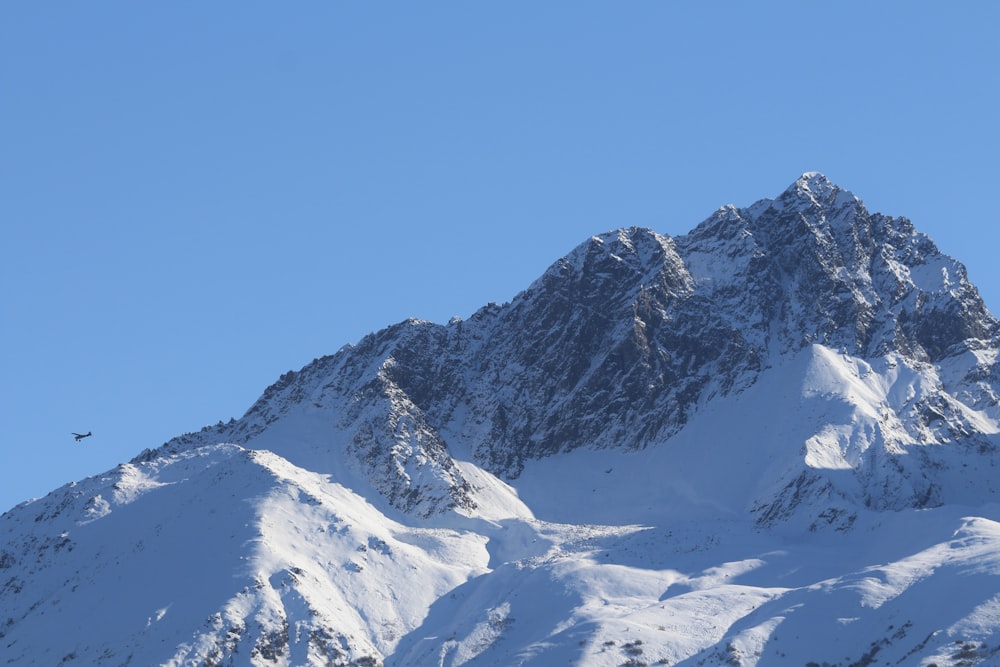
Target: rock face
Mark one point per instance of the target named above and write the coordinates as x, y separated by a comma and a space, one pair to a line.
663, 451
620, 342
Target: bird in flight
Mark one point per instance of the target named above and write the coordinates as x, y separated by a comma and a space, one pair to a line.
80, 436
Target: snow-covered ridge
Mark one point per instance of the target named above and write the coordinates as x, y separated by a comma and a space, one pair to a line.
256, 556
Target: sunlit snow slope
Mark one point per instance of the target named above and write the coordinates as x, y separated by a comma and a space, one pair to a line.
771, 441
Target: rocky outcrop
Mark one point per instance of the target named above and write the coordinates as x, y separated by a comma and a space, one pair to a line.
620, 342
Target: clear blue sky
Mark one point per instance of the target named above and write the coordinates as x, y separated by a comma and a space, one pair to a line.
198, 196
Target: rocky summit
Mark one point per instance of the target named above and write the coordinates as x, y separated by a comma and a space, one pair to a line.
773, 440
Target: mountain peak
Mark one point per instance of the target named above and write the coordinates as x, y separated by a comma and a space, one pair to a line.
673, 419
813, 188
813, 181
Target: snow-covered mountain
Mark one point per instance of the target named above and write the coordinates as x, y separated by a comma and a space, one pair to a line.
771, 441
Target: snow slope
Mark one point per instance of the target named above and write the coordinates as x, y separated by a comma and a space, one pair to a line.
224, 555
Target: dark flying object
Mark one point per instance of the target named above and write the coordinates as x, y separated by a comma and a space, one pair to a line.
78, 436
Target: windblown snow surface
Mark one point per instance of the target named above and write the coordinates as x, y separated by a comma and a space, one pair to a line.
839, 509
